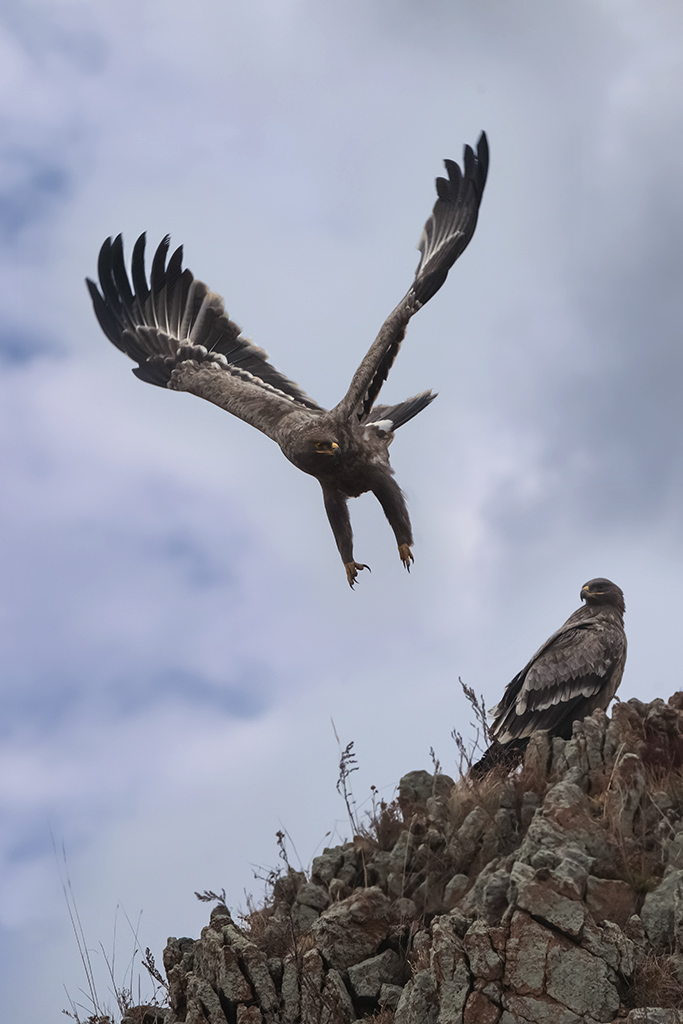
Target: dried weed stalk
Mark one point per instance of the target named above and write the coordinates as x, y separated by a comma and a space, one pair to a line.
482, 736
94, 1010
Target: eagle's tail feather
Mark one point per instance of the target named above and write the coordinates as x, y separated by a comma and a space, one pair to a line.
390, 417
501, 756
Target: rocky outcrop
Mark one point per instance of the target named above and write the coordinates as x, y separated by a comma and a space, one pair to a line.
554, 896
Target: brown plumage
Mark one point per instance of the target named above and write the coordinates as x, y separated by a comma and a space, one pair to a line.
577, 670
181, 337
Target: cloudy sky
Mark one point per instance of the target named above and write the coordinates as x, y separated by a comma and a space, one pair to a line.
175, 626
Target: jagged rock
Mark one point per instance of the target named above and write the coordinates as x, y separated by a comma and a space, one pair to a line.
256, 968
403, 910
609, 943
325, 867
610, 899
419, 1003
454, 890
530, 803
378, 871
626, 791
566, 806
565, 914
594, 728
525, 955
367, 977
178, 964
416, 788
389, 996
450, 969
352, 930
313, 1008
582, 982
248, 1015
533, 1010
488, 895
400, 857
336, 999
202, 1003
218, 964
303, 917
674, 849
480, 1010
290, 991
514, 903
470, 835
275, 969
662, 913
313, 896
428, 895
485, 962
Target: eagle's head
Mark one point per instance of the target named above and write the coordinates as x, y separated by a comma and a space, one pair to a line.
603, 591
315, 451
325, 447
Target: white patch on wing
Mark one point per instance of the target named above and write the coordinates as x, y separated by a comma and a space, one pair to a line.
386, 426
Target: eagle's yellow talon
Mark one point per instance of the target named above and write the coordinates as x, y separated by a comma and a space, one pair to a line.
352, 570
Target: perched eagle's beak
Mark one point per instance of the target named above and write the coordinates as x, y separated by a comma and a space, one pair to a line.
585, 592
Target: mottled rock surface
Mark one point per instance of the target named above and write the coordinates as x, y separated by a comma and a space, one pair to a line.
553, 896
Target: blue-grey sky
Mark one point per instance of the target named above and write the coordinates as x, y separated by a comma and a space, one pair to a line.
175, 628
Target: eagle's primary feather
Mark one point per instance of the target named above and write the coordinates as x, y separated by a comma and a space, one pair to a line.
178, 332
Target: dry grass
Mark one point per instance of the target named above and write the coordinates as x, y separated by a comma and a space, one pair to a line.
656, 983
94, 1009
419, 960
638, 824
385, 823
382, 1016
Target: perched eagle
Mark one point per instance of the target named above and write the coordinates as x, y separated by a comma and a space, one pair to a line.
577, 670
182, 338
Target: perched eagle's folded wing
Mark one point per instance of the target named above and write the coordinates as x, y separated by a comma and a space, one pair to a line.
181, 337
446, 235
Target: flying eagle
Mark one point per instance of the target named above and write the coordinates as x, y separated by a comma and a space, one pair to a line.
577, 670
178, 332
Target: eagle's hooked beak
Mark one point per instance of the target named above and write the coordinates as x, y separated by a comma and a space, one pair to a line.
323, 448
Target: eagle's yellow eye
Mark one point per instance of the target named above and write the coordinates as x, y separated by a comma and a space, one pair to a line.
326, 447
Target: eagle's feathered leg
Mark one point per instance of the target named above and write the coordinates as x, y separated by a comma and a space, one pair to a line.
390, 497
340, 521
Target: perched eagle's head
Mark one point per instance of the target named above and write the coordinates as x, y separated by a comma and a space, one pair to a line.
602, 591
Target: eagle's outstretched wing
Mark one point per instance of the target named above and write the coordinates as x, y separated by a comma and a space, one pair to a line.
446, 235
584, 658
181, 337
